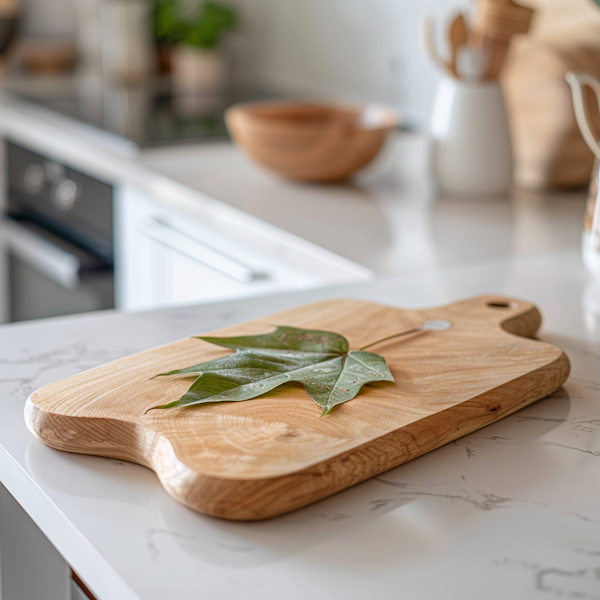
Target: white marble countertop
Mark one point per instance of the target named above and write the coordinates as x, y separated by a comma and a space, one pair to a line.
510, 511
387, 222
388, 219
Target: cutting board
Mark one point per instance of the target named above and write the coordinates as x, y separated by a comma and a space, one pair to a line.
550, 152
263, 457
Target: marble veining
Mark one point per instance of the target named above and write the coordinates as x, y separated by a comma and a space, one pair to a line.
480, 499
558, 582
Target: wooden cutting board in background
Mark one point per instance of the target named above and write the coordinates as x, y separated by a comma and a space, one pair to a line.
263, 457
548, 147
564, 19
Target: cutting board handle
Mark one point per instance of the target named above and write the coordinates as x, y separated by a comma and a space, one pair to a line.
515, 316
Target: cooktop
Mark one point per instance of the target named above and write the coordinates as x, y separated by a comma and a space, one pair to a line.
148, 114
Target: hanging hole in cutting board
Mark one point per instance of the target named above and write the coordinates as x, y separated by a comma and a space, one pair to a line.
500, 304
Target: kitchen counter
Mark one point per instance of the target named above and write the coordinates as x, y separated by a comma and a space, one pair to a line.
510, 511
386, 222
388, 219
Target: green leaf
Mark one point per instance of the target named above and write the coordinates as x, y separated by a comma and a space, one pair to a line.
319, 360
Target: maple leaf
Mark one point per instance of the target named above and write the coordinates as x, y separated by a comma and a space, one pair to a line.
319, 360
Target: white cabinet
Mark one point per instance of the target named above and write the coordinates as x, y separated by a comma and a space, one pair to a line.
30, 567
165, 258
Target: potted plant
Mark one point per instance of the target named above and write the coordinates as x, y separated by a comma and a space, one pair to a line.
197, 64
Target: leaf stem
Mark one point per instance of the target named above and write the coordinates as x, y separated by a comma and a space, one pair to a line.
390, 337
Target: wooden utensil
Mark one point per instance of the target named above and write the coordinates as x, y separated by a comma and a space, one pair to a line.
458, 37
496, 22
264, 457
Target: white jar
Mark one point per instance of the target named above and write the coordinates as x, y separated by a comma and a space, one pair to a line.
89, 37
472, 152
128, 51
198, 70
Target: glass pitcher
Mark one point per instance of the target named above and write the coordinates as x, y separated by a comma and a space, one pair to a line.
591, 231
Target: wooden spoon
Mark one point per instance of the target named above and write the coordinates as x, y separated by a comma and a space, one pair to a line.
458, 37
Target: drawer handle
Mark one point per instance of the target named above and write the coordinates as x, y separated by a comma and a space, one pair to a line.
43, 256
165, 235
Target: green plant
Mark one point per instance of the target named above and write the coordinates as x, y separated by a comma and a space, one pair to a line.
204, 29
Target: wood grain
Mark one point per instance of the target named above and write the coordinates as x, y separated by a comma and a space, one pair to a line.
263, 457
497, 22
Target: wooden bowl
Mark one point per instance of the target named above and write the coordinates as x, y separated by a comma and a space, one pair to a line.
310, 142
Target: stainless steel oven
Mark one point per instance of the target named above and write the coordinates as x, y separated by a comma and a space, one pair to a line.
56, 250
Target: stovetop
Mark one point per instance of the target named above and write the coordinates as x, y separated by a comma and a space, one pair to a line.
148, 114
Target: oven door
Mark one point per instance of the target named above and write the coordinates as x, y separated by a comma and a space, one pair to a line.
42, 275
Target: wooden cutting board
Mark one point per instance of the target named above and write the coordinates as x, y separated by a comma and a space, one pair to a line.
264, 457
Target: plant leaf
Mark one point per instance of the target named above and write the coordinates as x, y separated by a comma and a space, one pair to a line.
319, 360
359, 368
287, 338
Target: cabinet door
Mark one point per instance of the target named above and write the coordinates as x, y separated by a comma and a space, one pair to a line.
30, 567
164, 259
192, 278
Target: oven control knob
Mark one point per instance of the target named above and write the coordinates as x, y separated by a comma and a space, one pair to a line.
34, 178
64, 193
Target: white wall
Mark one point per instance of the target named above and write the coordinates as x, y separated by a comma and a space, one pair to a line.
362, 49
356, 49
49, 18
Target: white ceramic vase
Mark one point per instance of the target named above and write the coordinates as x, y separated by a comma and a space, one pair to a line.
89, 37
128, 52
198, 70
472, 152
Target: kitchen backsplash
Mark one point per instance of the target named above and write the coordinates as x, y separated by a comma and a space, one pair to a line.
362, 49
49, 18
359, 49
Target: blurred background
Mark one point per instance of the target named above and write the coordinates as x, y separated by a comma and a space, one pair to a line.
368, 138
357, 48
363, 50
169, 153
